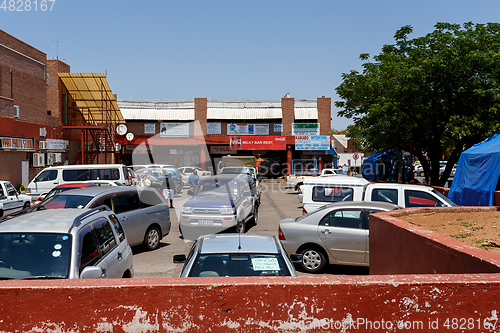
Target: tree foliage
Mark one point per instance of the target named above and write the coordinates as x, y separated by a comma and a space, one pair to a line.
440, 93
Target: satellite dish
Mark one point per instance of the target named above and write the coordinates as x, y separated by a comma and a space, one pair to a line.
121, 129
130, 136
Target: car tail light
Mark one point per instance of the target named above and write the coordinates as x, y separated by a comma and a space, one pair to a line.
40, 198
304, 211
203, 174
179, 178
281, 235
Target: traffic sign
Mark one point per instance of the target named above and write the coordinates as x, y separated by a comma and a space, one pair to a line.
355, 156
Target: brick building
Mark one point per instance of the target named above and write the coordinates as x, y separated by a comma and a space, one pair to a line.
201, 131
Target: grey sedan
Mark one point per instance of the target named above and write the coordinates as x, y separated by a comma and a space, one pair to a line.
236, 255
336, 234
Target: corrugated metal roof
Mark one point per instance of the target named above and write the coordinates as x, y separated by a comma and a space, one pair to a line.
157, 114
93, 96
306, 113
243, 113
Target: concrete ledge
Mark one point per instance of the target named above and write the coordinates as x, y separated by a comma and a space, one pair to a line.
399, 247
332, 304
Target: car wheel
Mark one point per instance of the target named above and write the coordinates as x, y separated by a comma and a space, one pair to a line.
1, 213
152, 238
26, 205
313, 260
240, 227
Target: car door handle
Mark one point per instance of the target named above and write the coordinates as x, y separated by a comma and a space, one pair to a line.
326, 232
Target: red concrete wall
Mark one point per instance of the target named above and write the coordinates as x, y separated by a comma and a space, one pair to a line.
496, 199
437, 303
399, 247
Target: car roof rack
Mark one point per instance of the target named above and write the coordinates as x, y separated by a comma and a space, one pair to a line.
78, 220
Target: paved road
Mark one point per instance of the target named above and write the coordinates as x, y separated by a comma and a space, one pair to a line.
277, 203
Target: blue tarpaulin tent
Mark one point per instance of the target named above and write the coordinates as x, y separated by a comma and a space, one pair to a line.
371, 169
477, 174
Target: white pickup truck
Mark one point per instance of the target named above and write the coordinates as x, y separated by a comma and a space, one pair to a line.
295, 181
11, 200
317, 192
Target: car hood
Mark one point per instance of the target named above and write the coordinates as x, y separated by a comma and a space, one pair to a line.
211, 201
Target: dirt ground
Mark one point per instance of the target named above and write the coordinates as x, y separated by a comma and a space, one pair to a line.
479, 229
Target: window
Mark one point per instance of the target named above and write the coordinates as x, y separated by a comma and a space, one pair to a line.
385, 195
105, 174
348, 218
105, 236
126, 202
106, 201
67, 201
118, 227
46, 175
150, 198
89, 250
420, 199
76, 175
11, 191
331, 194
366, 217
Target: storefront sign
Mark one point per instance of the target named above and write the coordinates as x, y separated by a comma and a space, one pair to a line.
257, 142
149, 128
142, 149
55, 144
221, 150
214, 128
16, 143
278, 127
305, 129
174, 130
247, 129
315, 142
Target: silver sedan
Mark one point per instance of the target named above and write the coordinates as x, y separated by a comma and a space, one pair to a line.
336, 234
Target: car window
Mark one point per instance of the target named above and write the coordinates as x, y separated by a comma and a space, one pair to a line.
1, 191
215, 187
67, 201
35, 254
385, 195
76, 174
239, 264
118, 227
105, 174
366, 217
103, 201
343, 218
105, 237
188, 170
46, 175
126, 202
331, 194
420, 199
89, 249
150, 198
10, 190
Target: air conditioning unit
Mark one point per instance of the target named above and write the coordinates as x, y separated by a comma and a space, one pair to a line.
50, 158
38, 160
57, 158
16, 111
42, 145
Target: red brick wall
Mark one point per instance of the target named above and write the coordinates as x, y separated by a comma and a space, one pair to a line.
288, 114
56, 88
10, 166
200, 113
325, 115
28, 68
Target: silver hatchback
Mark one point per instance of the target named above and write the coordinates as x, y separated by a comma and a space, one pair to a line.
142, 211
336, 234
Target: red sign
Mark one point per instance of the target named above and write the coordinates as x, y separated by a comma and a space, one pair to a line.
16, 143
257, 142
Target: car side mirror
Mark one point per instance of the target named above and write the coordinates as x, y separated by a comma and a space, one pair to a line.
92, 272
190, 192
179, 258
296, 258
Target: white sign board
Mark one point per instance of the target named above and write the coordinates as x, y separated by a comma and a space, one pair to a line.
174, 130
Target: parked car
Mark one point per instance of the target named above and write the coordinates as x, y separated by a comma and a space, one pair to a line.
219, 203
52, 176
236, 255
336, 234
11, 200
188, 171
142, 211
64, 244
62, 188
106, 183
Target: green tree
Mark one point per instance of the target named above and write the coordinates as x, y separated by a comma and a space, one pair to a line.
440, 93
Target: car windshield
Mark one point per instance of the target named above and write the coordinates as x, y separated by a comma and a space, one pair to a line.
444, 198
66, 201
34, 255
218, 188
239, 170
239, 264
59, 190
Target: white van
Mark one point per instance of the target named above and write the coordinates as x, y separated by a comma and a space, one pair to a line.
50, 177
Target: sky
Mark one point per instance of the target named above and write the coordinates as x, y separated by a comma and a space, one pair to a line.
227, 49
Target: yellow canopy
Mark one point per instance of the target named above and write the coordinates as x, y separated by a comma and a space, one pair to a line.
93, 96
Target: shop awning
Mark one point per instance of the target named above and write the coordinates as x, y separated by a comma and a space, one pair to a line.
93, 97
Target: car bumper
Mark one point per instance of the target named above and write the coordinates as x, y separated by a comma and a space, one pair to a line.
194, 226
